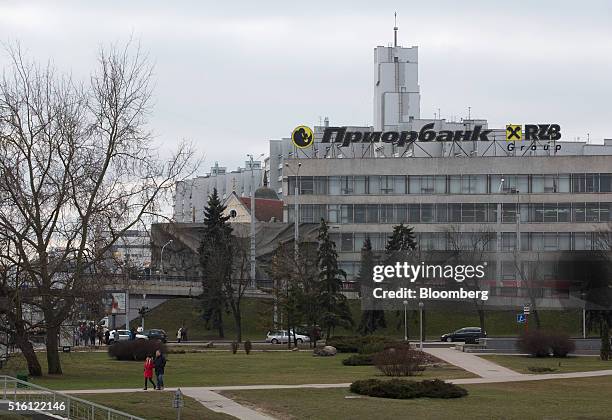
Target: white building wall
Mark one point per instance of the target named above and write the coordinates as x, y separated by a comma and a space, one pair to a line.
397, 95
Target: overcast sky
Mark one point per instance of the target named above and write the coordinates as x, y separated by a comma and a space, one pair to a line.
231, 75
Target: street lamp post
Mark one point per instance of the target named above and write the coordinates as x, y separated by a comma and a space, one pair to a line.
253, 282
296, 206
421, 304
161, 257
405, 320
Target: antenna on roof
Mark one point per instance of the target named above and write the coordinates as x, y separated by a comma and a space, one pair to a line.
395, 31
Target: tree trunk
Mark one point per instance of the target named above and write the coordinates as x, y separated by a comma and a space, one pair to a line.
53, 358
27, 350
219, 316
238, 321
481, 318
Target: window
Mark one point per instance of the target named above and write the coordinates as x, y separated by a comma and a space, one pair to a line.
578, 183
320, 185
508, 213
346, 183
361, 185
563, 212
508, 241
334, 185
467, 213
372, 213
455, 184
578, 212
591, 183
374, 184
592, 212
455, 212
604, 212
480, 213
346, 211
360, 213
427, 213
550, 242
550, 212
400, 213
347, 242
333, 213
414, 215
564, 183
306, 213
537, 213
386, 184
441, 213
306, 185
359, 239
564, 241
605, 182
386, 213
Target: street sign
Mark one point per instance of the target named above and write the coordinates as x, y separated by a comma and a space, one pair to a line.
521, 318
526, 309
178, 402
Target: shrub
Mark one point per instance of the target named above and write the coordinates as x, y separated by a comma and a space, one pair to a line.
540, 369
248, 346
355, 344
535, 343
402, 389
135, 349
400, 361
235, 347
359, 360
561, 344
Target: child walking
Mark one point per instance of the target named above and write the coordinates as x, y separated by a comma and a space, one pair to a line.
148, 371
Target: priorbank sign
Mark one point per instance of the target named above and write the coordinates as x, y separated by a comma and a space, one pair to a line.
302, 136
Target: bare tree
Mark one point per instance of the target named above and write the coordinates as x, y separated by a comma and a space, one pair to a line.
237, 284
471, 248
77, 169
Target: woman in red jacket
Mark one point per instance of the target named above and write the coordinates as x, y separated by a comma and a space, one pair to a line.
148, 371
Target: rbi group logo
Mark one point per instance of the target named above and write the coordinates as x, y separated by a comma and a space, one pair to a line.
302, 136
514, 132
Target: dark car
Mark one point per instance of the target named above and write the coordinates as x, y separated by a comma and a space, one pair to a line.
155, 334
468, 334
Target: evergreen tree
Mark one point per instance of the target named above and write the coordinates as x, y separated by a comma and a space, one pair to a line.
334, 306
216, 258
372, 319
398, 248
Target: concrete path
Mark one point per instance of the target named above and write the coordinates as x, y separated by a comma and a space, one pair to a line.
472, 363
220, 404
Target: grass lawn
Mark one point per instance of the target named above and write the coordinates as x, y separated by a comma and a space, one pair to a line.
257, 320
563, 365
584, 398
97, 370
154, 405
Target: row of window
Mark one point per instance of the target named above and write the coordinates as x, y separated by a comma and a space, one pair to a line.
592, 212
487, 241
450, 184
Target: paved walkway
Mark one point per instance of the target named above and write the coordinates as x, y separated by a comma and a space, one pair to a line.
472, 363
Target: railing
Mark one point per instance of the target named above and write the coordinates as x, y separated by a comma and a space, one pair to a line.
27, 398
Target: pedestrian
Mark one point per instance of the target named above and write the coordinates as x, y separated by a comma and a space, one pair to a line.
100, 334
148, 372
160, 365
92, 334
184, 334
133, 333
107, 336
179, 335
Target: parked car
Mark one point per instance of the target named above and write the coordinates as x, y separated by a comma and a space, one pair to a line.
122, 335
466, 334
281, 336
156, 334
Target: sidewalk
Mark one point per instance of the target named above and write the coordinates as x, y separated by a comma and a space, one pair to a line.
472, 363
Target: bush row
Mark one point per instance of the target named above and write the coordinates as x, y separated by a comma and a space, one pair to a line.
135, 349
540, 343
403, 389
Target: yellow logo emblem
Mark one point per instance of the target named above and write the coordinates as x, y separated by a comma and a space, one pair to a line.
514, 132
302, 136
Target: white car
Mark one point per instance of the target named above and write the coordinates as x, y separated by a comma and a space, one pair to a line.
281, 336
123, 335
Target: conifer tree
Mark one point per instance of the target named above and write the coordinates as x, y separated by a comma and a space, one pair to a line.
334, 306
216, 258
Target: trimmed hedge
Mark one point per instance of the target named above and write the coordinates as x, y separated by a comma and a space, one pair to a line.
359, 360
135, 349
403, 389
540, 343
362, 344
